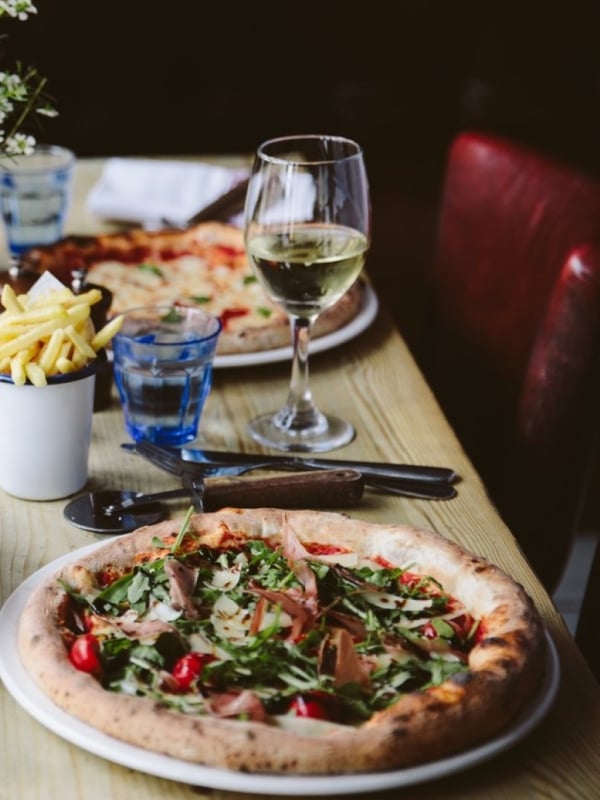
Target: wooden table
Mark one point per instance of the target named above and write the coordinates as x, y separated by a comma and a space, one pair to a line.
374, 382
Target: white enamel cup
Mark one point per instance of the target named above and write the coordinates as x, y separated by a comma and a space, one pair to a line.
45, 434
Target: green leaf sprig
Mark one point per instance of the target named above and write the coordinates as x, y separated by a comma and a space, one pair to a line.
182, 530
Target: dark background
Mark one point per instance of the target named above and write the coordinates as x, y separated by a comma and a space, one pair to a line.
141, 77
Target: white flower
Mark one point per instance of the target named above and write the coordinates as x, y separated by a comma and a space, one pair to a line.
17, 8
6, 108
21, 93
12, 86
19, 145
47, 111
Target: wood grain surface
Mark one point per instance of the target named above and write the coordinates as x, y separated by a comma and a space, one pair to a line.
374, 382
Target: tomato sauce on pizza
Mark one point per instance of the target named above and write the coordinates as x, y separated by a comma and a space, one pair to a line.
205, 266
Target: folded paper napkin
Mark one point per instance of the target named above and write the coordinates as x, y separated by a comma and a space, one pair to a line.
148, 192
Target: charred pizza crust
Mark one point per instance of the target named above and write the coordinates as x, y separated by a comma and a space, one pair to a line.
506, 666
204, 264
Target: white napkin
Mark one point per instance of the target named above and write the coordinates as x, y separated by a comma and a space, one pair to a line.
45, 284
147, 191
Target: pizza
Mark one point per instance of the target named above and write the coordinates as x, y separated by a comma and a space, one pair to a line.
286, 642
205, 266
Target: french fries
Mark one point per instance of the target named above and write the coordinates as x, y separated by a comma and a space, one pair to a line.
49, 335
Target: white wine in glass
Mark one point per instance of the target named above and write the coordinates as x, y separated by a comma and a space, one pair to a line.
307, 231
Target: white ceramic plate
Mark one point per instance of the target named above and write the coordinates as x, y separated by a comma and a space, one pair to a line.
361, 322
36, 703
365, 316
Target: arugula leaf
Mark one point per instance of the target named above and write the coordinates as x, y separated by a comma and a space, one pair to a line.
147, 267
182, 530
79, 598
116, 592
138, 587
267, 662
443, 628
172, 315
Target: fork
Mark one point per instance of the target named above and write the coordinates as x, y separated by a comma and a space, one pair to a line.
173, 463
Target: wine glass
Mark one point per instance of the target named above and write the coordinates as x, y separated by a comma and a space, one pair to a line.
307, 230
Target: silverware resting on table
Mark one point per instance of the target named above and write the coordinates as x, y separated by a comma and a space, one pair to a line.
320, 489
122, 511
370, 469
431, 483
210, 485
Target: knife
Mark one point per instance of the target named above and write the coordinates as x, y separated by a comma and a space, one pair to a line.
407, 472
222, 208
192, 473
322, 489
113, 512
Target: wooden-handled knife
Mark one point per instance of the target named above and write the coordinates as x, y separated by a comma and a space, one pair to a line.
330, 488
123, 511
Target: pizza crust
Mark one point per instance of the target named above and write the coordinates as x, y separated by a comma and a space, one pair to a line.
506, 667
109, 260
278, 334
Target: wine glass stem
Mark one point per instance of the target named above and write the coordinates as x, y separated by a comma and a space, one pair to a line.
300, 410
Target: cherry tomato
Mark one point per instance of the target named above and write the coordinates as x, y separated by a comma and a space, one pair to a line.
188, 668
428, 631
306, 707
409, 578
85, 654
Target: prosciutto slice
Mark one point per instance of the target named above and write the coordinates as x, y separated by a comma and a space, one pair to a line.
182, 580
232, 704
338, 657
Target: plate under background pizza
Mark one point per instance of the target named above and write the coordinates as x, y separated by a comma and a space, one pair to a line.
286, 642
204, 266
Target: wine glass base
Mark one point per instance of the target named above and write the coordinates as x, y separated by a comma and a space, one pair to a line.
330, 433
